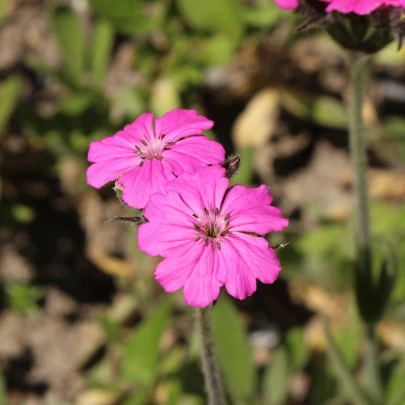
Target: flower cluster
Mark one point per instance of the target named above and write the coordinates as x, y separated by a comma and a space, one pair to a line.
210, 234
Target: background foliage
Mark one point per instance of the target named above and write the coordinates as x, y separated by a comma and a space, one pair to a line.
82, 320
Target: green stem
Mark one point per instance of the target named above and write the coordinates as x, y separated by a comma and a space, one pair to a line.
372, 368
212, 376
362, 225
359, 159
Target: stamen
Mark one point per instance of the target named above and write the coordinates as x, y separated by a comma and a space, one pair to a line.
218, 246
197, 228
196, 217
144, 142
197, 238
141, 164
227, 216
207, 242
206, 211
216, 212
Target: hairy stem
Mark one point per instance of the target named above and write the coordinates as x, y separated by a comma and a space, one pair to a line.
358, 75
359, 159
212, 376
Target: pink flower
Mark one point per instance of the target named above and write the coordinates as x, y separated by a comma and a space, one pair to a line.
148, 153
287, 4
361, 7
209, 236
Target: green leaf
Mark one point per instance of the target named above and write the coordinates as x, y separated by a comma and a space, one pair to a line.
3, 391
131, 16
233, 349
395, 392
77, 103
71, 42
103, 38
275, 381
297, 348
121, 9
23, 297
262, 15
164, 96
3, 14
348, 337
9, 93
141, 354
214, 16
329, 112
137, 398
343, 372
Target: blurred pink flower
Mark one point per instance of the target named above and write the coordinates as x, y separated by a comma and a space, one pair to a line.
148, 153
209, 236
287, 4
360, 7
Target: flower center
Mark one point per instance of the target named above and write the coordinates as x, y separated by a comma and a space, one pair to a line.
152, 149
211, 226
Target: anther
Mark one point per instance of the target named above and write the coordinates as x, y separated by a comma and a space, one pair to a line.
207, 242
197, 238
206, 211
196, 216
218, 246
197, 228
144, 142
141, 164
216, 211
138, 149
227, 216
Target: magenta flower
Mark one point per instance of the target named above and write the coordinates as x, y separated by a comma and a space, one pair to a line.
209, 236
288, 4
360, 7
148, 153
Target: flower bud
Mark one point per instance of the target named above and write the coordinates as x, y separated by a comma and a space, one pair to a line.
231, 166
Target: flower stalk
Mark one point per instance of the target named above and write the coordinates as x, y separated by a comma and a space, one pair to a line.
363, 270
210, 366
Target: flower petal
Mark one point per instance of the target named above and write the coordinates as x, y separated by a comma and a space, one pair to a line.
360, 7
287, 4
202, 288
189, 154
178, 123
101, 173
141, 128
243, 259
190, 266
204, 189
250, 211
141, 182
170, 224
172, 273
109, 148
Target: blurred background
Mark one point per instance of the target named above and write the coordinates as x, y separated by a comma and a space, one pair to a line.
82, 321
